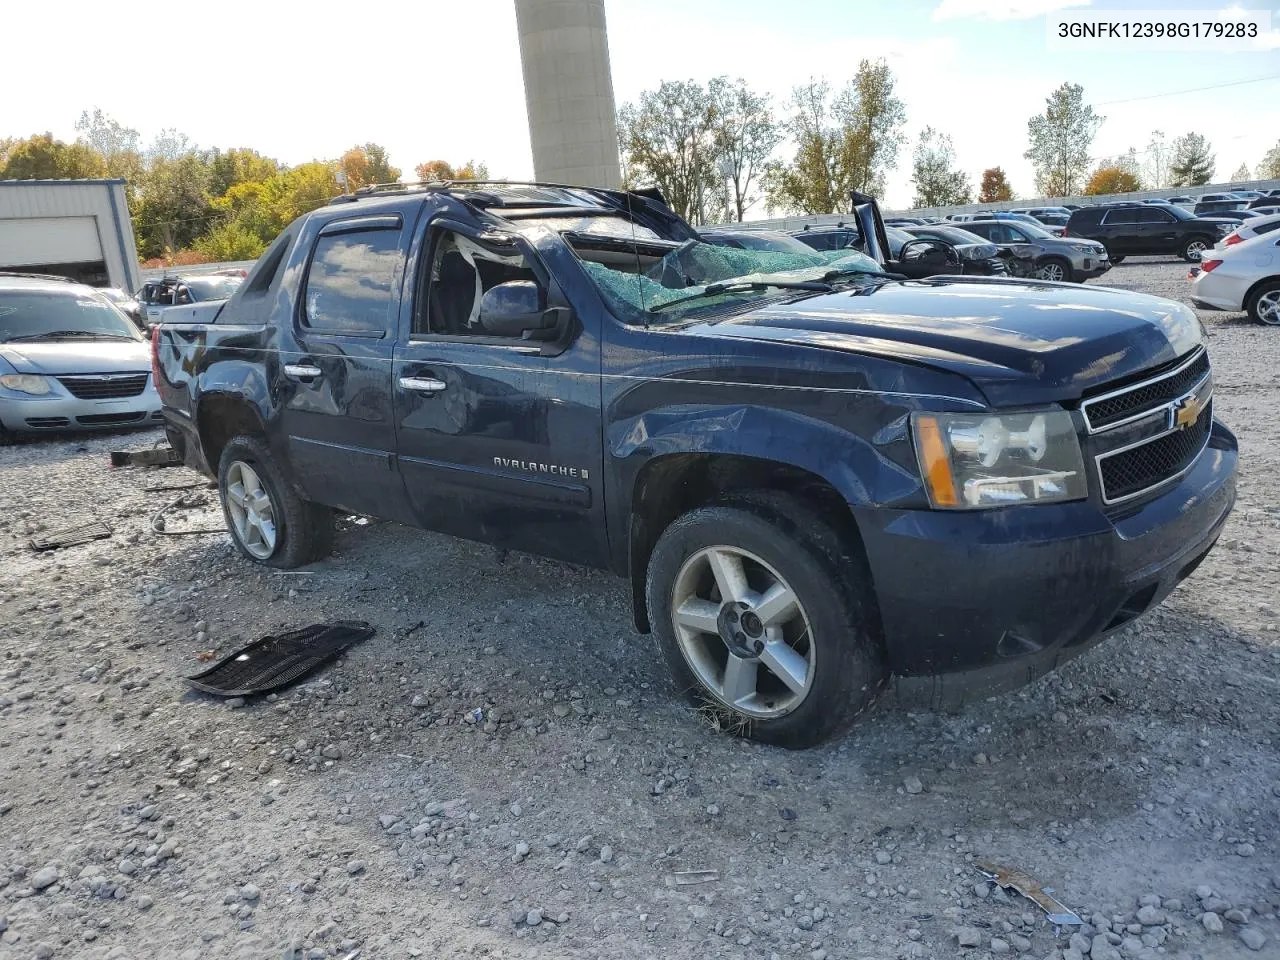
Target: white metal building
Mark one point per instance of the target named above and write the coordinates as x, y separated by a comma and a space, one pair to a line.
72, 228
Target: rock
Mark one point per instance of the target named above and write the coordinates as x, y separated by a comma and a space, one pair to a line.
1150, 916
1072, 954
419, 702
999, 946
43, 951
1149, 900
388, 821
517, 915
522, 850
1236, 916
250, 893
331, 751
982, 889
1101, 949
913, 785
235, 703
128, 867
969, 937
883, 858
1211, 921
1244, 850
45, 877
1204, 892
1020, 944
145, 902
355, 866
1253, 938
533, 917
598, 732
1216, 905
1131, 946
1079, 943
606, 853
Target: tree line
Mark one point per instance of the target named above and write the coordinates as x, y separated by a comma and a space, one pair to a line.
190, 204
717, 150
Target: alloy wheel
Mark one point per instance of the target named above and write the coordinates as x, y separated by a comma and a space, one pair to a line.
1196, 248
743, 631
1269, 308
252, 513
1051, 271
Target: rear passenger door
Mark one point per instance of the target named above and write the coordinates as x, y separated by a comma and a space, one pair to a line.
337, 413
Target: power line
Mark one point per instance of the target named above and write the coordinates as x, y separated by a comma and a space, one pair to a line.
1178, 93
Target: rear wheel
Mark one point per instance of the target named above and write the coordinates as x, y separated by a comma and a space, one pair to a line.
269, 522
1053, 268
1264, 304
761, 623
1194, 248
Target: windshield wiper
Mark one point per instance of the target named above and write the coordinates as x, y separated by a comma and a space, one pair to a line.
831, 275
62, 334
717, 289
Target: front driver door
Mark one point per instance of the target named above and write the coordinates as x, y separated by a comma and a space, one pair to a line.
499, 437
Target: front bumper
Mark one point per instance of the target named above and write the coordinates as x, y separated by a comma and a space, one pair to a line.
973, 603
1086, 268
53, 413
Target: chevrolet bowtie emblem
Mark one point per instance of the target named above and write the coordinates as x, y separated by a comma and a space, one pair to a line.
1187, 412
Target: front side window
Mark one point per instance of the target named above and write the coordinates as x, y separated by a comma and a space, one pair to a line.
350, 286
462, 271
1121, 216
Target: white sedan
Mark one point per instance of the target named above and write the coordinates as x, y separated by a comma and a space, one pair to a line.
1248, 229
1244, 276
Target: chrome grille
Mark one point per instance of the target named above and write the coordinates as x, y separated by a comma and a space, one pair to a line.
105, 386
1116, 406
1142, 435
1128, 473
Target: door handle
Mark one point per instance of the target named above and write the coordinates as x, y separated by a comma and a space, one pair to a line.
302, 371
423, 384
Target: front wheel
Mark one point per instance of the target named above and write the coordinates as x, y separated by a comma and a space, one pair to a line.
1114, 259
269, 522
1264, 304
1194, 249
763, 621
1053, 268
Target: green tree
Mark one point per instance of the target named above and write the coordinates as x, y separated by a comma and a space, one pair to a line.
745, 137
1060, 141
119, 146
1242, 173
229, 241
442, 170
237, 165
668, 138
1111, 179
1268, 169
41, 157
817, 178
1193, 161
995, 186
873, 119
938, 183
168, 144
175, 206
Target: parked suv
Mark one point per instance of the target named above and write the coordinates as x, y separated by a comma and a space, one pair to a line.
1146, 229
938, 256
1056, 258
814, 475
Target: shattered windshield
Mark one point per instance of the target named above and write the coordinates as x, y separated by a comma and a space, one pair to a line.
642, 286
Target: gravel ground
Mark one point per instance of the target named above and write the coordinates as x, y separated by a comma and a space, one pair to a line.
372, 810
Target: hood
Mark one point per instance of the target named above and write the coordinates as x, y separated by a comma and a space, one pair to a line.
91, 356
1020, 341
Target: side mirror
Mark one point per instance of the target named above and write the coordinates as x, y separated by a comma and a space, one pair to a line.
933, 253
517, 308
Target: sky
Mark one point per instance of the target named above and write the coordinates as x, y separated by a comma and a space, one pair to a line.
434, 80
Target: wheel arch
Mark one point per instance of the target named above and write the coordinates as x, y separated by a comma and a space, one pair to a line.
1257, 287
222, 416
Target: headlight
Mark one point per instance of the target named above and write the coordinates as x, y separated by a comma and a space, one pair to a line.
970, 461
1081, 248
26, 383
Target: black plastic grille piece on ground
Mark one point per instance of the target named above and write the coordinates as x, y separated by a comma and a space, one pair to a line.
276, 661
72, 536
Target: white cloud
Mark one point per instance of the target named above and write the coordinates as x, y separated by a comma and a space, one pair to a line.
1001, 9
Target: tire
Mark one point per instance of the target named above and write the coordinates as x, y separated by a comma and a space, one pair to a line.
250, 482
1059, 268
1114, 259
1193, 247
830, 641
1264, 304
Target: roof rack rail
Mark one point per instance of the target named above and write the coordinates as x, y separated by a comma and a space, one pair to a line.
419, 186
36, 276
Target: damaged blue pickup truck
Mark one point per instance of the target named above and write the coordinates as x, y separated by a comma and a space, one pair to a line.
816, 475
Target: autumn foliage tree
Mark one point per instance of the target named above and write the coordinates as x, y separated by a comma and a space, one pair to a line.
41, 157
443, 170
995, 186
1111, 179
365, 165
